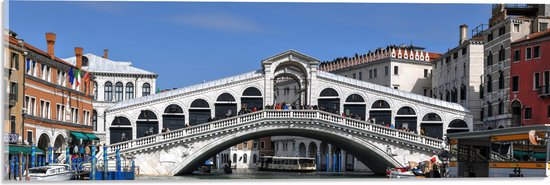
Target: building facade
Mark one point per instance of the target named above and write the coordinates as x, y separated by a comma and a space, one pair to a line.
507, 24
530, 73
14, 68
115, 81
406, 68
57, 101
456, 75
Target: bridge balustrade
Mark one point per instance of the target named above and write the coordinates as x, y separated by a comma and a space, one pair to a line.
309, 114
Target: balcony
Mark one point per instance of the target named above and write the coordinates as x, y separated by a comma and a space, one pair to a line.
13, 99
544, 91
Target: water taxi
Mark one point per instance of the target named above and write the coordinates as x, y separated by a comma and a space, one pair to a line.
286, 163
53, 172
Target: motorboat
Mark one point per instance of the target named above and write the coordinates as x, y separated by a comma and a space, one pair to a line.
52, 172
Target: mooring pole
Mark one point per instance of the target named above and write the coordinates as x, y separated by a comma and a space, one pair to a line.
33, 155
105, 162
93, 162
118, 166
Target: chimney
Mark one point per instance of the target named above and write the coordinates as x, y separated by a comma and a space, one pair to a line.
78, 55
463, 34
105, 53
50, 39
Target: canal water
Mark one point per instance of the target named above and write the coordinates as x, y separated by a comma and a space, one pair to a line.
254, 174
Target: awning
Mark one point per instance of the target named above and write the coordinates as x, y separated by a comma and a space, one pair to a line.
79, 135
91, 136
24, 149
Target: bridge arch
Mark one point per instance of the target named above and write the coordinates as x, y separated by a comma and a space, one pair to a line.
147, 123
302, 149
381, 112
406, 118
312, 148
225, 105
355, 105
329, 100
457, 125
121, 129
199, 112
375, 158
432, 126
252, 97
173, 117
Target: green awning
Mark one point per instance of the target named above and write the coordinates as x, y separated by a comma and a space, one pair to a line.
91, 136
24, 149
79, 135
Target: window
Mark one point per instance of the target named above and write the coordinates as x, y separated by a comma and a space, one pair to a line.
500, 107
536, 81
118, 91
543, 26
15, 61
45, 109
396, 70
536, 52
360, 75
74, 115
370, 74
354, 76
548, 112
516, 28
94, 119
481, 91
95, 90
146, 89
490, 37
448, 59
490, 58
395, 87
14, 91
501, 31
489, 83
489, 109
463, 92
501, 80
481, 114
245, 158
59, 110
375, 73
129, 90
30, 104
425, 73
29, 136
108, 91
386, 70
515, 83
501, 54
528, 53
455, 55
46, 73
517, 54
262, 145
425, 92
528, 113
464, 51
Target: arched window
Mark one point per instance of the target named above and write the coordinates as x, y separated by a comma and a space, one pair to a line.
380, 104
490, 58
501, 55
94, 119
254, 158
95, 90
329, 92
234, 158
108, 91
118, 91
245, 158
129, 90
355, 98
406, 111
146, 89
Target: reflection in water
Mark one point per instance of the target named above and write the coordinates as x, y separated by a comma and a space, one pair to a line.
254, 174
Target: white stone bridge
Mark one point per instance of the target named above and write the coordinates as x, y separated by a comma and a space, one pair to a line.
134, 125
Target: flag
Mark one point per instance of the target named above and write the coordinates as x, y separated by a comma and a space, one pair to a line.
77, 77
71, 76
28, 64
86, 77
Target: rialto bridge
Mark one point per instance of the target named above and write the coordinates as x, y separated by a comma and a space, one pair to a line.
137, 127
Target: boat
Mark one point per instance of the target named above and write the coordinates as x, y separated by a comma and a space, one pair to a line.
276, 163
52, 172
204, 169
400, 173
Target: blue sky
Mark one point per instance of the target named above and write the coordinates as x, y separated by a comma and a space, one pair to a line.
186, 43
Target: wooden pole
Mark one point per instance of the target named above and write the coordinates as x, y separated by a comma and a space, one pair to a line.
27, 167
20, 167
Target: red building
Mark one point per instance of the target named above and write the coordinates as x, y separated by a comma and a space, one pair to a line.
530, 83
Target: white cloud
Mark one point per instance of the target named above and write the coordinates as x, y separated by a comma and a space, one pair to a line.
218, 21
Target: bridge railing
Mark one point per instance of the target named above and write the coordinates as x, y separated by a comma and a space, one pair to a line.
308, 114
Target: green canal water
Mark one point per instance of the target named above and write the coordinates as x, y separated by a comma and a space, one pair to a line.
254, 174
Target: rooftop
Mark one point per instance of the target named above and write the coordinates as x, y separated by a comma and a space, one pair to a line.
99, 64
